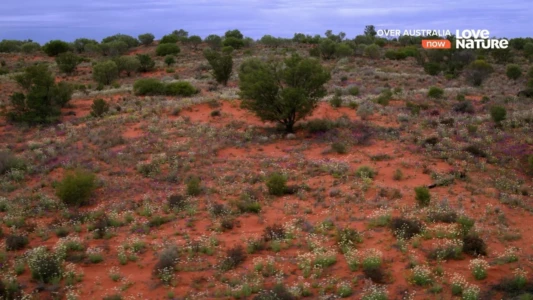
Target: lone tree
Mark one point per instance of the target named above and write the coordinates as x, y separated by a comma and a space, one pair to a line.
42, 98
282, 92
221, 64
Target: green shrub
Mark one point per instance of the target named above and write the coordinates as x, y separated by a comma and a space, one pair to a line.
435, 92
498, 113
365, 172
105, 72
44, 265
422, 196
167, 49
170, 60
336, 101
372, 51
513, 71
168, 258
234, 257
221, 65
76, 188
276, 184
146, 39
169, 39
9, 162
339, 147
147, 63
16, 242
233, 42
55, 47
193, 186
478, 71
354, 91
180, 88
67, 62
432, 68
213, 41
149, 87
99, 107
128, 64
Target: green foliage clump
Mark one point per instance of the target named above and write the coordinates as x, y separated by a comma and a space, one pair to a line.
372, 51
167, 49
233, 42
513, 71
478, 71
126, 39
149, 87
498, 113
180, 88
435, 92
422, 196
432, 68
67, 62
146, 39
128, 64
76, 188
105, 72
213, 41
16, 242
9, 162
280, 92
30, 47
221, 65
170, 60
114, 48
45, 266
43, 98
194, 187
99, 107
147, 63
365, 172
55, 47
169, 39
276, 184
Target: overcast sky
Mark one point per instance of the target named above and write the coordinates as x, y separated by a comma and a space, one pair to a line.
43, 20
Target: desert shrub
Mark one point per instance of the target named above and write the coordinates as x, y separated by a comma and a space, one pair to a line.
248, 203
498, 113
9, 162
213, 41
477, 72
432, 68
422, 196
149, 87
319, 125
442, 215
234, 257
435, 92
16, 242
146, 39
513, 71
194, 41
336, 101
193, 186
114, 48
278, 292
177, 201
284, 95
365, 172
233, 42
475, 150
147, 63
465, 224
276, 184
354, 91
76, 187
274, 232
464, 106
105, 72
167, 49
180, 88
169, 39
347, 238
339, 147
406, 228
170, 60
474, 245
372, 51
168, 258
128, 64
365, 109
43, 98
126, 39
44, 265
99, 107
55, 47
221, 65
343, 50
67, 62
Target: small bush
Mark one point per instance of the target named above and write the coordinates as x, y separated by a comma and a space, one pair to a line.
347, 238
170, 60
177, 201
146, 39
16, 242
181, 88
432, 68
319, 125
9, 162
148, 87
274, 232
248, 203
336, 101
76, 187
105, 72
339, 147
279, 292
234, 257
354, 91
498, 113
276, 184
435, 92
513, 71
422, 196
193, 186
405, 228
67, 62
475, 150
167, 49
168, 258
99, 107
44, 265
365, 172
464, 106
474, 245
55, 47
